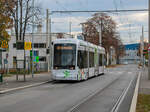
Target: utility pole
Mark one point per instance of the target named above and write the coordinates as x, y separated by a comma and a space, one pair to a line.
70, 23
32, 38
130, 32
142, 47
100, 33
47, 37
149, 41
50, 45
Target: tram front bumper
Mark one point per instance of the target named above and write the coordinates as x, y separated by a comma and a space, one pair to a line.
54, 77
61, 76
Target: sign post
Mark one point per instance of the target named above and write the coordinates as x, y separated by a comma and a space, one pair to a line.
149, 39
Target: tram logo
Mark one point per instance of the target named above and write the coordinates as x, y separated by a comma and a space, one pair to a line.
66, 73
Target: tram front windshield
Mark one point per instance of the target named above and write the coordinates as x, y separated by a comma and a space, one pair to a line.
64, 56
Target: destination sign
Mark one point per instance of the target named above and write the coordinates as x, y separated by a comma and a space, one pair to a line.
64, 48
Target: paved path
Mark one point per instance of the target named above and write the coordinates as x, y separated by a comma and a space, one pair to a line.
144, 82
62, 96
10, 82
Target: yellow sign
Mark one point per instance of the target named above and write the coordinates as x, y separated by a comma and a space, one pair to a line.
4, 44
27, 46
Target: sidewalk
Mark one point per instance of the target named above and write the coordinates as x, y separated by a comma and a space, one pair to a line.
144, 82
11, 83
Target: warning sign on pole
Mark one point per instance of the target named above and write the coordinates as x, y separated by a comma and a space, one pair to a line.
4, 44
28, 46
149, 49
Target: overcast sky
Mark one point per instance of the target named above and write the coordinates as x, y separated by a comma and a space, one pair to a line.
129, 25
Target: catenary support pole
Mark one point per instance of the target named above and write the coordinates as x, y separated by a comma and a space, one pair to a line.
47, 38
50, 45
32, 38
100, 33
70, 24
142, 47
149, 40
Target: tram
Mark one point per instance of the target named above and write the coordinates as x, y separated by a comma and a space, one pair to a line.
76, 60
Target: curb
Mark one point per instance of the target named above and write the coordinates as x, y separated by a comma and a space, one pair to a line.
23, 87
135, 96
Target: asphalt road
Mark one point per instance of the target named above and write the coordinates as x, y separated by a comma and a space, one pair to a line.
63, 96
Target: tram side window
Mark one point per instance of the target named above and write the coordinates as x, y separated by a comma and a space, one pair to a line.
104, 59
91, 59
82, 59
100, 59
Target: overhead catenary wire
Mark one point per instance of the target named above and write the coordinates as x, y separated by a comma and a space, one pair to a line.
100, 11
121, 5
59, 4
115, 4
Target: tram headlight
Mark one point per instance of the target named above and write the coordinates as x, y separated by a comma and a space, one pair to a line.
72, 68
56, 68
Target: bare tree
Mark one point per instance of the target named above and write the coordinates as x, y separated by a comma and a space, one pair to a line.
110, 37
60, 35
22, 12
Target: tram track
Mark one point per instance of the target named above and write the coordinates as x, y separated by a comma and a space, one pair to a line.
122, 96
75, 107
98, 94
119, 100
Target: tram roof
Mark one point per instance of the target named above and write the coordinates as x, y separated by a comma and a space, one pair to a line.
76, 41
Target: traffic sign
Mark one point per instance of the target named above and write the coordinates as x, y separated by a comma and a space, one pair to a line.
36, 59
5, 61
31, 53
4, 44
27, 46
149, 49
145, 51
35, 53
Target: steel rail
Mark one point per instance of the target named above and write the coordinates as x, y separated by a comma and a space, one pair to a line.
84, 100
117, 104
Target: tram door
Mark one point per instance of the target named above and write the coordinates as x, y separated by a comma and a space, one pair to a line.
101, 69
96, 72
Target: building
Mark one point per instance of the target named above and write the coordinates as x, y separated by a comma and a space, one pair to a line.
131, 54
14, 57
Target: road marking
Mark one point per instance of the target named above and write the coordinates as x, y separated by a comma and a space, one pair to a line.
135, 96
120, 72
23, 87
121, 97
129, 72
91, 95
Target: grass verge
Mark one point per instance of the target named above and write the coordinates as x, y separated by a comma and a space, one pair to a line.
143, 104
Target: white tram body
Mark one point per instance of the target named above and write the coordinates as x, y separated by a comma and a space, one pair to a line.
76, 60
